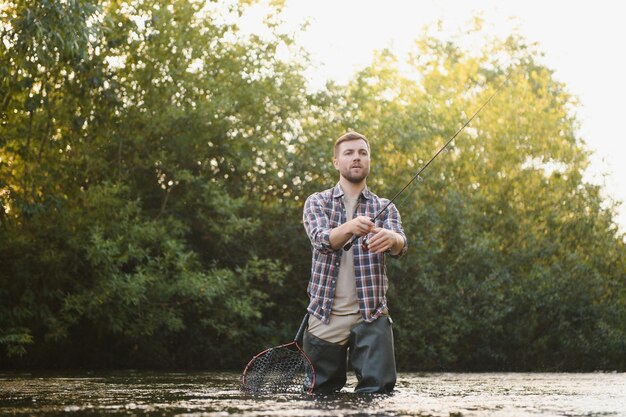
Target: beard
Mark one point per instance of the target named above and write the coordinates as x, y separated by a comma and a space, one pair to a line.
355, 177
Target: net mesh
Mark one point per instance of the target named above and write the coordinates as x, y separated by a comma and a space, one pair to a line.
283, 369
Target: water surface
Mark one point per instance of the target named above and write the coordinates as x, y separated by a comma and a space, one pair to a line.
217, 394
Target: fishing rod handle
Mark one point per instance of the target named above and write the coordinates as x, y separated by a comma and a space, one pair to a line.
348, 245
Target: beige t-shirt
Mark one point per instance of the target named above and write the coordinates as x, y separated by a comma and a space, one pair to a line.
346, 300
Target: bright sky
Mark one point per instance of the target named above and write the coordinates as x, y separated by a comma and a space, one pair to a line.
582, 41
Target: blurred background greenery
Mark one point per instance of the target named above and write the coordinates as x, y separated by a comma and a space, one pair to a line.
154, 161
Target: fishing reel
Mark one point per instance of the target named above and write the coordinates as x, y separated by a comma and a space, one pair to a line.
365, 243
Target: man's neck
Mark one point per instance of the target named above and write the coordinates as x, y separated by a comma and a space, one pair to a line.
350, 189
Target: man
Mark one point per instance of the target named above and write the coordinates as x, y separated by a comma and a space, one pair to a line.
347, 303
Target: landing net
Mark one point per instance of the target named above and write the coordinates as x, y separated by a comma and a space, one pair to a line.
282, 369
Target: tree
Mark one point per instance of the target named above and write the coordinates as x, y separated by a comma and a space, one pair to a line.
515, 261
156, 126
154, 161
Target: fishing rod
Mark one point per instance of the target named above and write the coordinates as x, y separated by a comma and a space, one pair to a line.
348, 245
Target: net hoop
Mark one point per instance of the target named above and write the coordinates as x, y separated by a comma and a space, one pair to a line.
287, 346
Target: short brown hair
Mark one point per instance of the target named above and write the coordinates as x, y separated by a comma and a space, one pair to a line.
348, 137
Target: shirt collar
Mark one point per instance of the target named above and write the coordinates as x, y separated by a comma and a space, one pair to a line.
338, 192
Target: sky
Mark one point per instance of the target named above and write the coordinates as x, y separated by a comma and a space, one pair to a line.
583, 42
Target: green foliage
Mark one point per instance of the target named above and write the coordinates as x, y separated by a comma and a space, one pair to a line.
515, 262
129, 155
154, 162
15, 341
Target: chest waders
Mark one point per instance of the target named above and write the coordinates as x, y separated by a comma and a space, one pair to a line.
369, 351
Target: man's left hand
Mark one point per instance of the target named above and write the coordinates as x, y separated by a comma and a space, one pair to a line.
382, 240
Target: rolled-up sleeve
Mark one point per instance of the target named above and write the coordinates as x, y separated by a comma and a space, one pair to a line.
393, 222
317, 224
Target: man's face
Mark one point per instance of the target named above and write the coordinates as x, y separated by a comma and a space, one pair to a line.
353, 160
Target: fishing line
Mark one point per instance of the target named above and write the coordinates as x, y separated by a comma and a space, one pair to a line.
348, 245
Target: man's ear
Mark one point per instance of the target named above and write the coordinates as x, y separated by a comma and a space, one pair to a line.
335, 162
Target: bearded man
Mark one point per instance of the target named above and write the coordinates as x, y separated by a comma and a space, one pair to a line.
349, 317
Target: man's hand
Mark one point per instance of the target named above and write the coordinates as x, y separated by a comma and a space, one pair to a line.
340, 235
382, 240
361, 225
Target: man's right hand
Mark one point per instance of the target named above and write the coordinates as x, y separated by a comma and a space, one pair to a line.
361, 225
340, 235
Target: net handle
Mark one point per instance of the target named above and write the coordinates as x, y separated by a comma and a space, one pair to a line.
303, 326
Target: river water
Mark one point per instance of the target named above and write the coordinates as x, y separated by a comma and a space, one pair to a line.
194, 394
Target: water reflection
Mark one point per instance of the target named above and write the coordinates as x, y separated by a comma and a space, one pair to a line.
217, 394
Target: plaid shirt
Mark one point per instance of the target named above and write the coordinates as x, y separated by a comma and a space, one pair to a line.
324, 211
